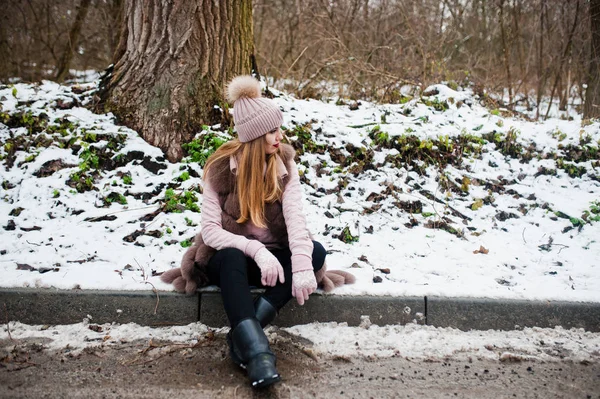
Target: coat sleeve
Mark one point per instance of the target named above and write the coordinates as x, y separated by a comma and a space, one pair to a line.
301, 245
213, 233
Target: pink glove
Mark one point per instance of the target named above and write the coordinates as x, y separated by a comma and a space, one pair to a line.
269, 266
304, 283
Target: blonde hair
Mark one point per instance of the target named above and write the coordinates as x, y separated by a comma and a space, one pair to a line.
254, 186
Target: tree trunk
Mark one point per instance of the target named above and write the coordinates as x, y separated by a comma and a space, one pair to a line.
65, 60
592, 94
506, 53
5, 52
173, 60
115, 10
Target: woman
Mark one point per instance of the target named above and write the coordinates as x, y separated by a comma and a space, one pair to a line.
254, 232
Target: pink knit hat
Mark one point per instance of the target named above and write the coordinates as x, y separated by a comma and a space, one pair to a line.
253, 115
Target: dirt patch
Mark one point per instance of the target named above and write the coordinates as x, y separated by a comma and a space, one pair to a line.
167, 369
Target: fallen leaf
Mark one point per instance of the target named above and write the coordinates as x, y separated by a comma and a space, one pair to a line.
24, 266
481, 250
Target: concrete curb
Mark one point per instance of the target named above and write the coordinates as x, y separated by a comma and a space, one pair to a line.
50, 306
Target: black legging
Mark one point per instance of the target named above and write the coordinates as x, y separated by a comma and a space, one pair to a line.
234, 273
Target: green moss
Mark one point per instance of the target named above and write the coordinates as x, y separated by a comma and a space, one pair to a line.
89, 158
115, 197
31, 157
346, 236
506, 144
572, 169
189, 222
82, 181
477, 204
558, 135
378, 136
593, 214
436, 104
198, 150
178, 202
184, 176
304, 141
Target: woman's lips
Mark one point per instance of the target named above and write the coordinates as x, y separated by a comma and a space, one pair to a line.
276, 145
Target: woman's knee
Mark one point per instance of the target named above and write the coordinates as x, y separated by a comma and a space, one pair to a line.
230, 259
227, 254
318, 255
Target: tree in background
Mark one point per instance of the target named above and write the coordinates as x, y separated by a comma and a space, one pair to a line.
592, 94
171, 64
74, 33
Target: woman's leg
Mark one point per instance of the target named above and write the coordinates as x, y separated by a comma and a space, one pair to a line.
248, 344
280, 294
228, 269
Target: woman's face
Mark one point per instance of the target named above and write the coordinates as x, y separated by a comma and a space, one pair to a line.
272, 141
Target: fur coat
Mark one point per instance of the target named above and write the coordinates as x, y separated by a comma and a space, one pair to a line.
192, 273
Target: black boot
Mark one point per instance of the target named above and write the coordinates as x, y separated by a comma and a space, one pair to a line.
250, 340
265, 314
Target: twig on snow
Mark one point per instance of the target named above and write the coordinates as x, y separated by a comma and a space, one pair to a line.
145, 277
7, 323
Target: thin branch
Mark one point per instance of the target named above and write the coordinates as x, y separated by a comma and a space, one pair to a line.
145, 277
563, 58
7, 323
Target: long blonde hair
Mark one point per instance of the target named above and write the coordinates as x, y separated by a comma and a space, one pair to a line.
254, 187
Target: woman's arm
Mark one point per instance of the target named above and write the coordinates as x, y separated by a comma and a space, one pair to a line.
213, 233
300, 243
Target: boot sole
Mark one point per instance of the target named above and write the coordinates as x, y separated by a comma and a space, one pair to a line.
266, 382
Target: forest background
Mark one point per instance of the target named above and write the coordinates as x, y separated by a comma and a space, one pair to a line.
514, 51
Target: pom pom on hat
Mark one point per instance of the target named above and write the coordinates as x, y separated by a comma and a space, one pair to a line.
253, 115
243, 86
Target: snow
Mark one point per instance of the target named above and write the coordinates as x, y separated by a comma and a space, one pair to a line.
411, 341
537, 256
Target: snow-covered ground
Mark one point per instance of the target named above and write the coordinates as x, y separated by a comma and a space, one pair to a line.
497, 216
411, 341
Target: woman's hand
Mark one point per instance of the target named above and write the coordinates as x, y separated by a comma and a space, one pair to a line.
304, 283
269, 266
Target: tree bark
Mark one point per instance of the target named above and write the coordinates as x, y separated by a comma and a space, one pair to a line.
172, 62
591, 107
65, 60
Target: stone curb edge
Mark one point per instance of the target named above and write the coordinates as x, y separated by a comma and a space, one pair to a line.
51, 306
